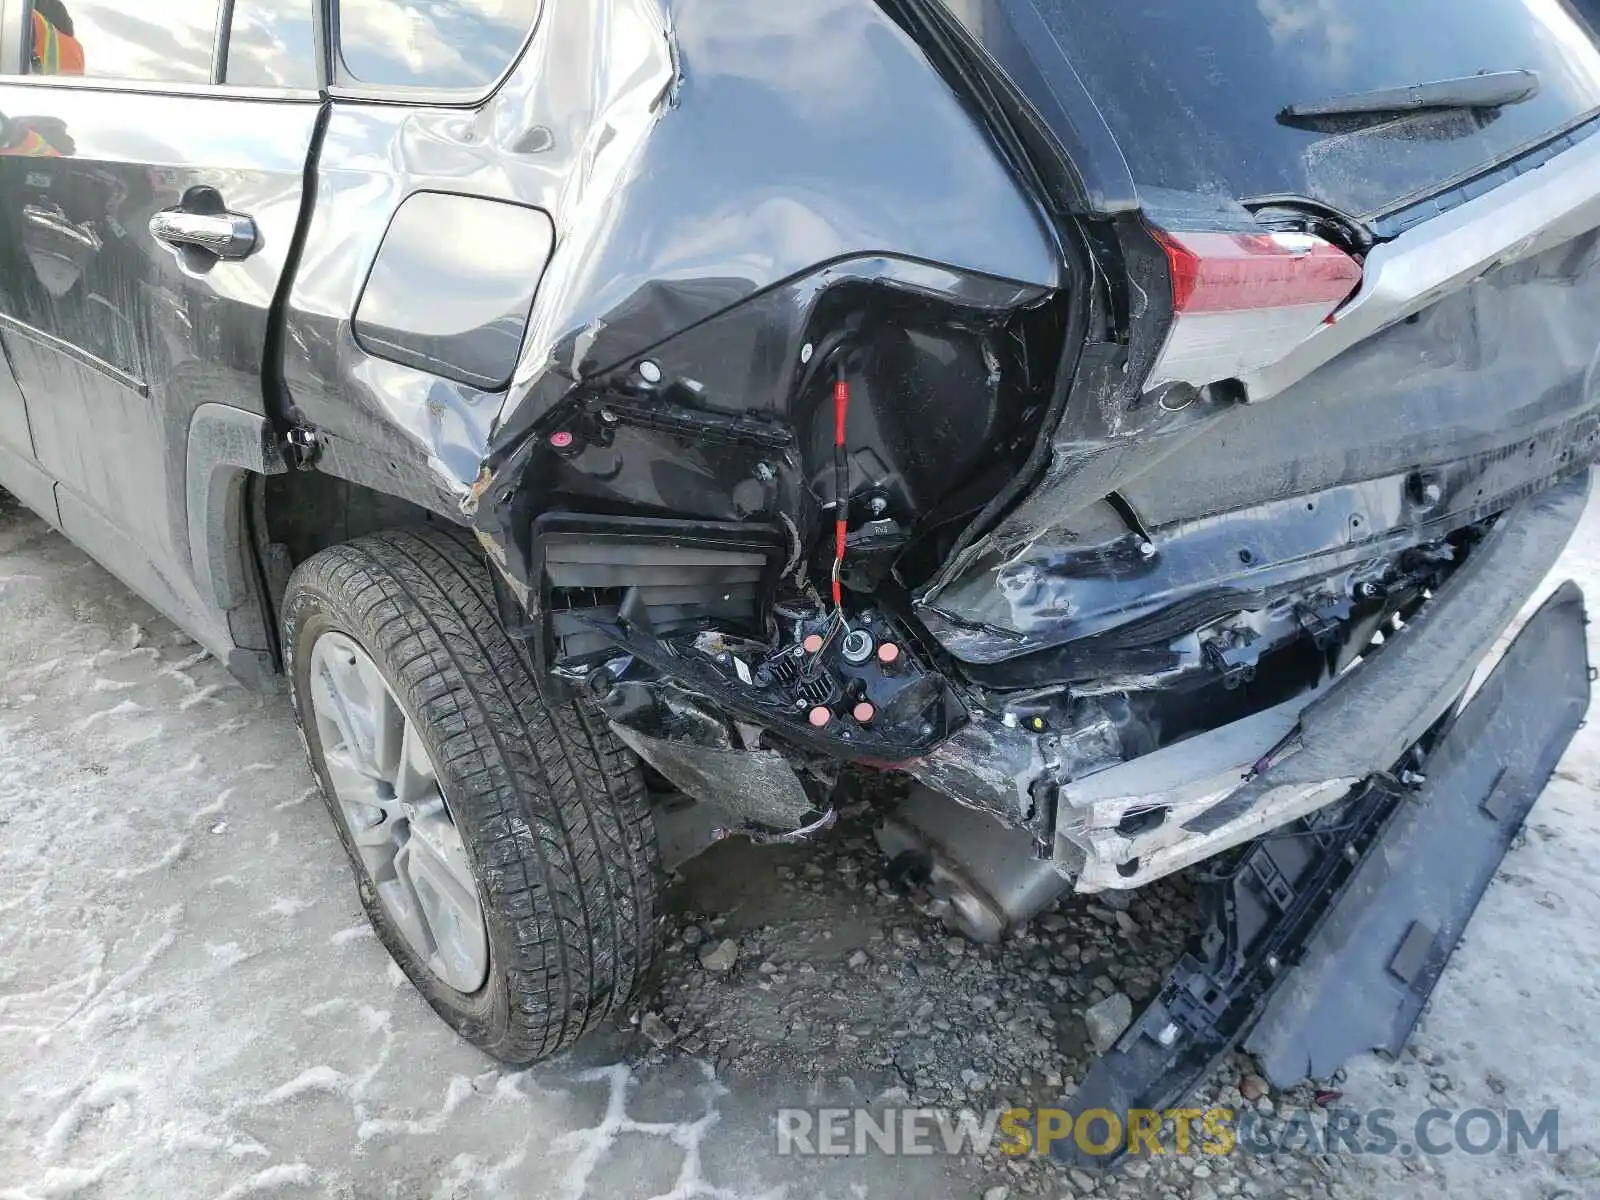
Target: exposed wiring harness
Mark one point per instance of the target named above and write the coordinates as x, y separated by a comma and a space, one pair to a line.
841, 484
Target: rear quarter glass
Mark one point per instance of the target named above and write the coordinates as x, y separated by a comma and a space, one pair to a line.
413, 43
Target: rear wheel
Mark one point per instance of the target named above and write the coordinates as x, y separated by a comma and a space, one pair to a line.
504, 850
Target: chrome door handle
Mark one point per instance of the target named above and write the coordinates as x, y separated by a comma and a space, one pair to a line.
227, 235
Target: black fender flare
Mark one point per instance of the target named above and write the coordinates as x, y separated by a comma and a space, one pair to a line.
225, 445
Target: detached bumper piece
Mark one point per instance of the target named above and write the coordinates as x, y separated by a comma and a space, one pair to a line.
1327, 937
1358, 725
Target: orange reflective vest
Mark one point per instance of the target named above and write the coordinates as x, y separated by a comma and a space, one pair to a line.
31, 145
54, 52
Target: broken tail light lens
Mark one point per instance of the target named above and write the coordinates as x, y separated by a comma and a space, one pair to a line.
1243, 301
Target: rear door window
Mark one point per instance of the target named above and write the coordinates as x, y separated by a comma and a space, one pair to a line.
169, 42
441, 44
1192, 89
272, 44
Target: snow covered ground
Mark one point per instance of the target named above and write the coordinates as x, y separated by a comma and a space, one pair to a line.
191, 1003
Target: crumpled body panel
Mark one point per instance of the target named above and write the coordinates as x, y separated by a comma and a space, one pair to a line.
1426, 425
690, 155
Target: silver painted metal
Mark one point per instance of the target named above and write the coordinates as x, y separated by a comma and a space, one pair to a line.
1514, 221
387, 794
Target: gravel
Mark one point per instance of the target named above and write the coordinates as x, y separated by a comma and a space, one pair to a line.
1107, 1019
828, 971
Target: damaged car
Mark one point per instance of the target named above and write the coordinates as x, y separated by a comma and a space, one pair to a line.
613, 417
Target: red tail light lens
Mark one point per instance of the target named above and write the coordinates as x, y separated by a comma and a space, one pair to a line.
1223, 272
1242, 301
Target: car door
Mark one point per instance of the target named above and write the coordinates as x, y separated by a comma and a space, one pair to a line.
148, 205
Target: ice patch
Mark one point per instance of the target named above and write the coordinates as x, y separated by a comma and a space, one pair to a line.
227, 954
591, 1145
322, 1078
272, 1179
310, 793
212, 809
470, 1175
102, 1093
62, 1181
186, 664
455, 1095
168, 858
125, 709
99, 997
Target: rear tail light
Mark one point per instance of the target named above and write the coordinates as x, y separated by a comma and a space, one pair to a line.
1243, 301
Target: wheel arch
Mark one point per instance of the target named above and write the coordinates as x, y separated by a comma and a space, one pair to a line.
252, 520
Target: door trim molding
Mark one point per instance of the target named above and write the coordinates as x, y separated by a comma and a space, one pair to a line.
78, 355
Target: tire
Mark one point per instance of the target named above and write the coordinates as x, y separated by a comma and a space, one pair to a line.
549, 806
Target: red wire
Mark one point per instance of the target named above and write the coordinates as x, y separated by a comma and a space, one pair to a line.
841, 410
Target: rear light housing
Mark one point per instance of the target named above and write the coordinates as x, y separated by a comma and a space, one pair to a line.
1243, 301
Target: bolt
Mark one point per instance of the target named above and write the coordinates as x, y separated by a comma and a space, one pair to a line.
1351, 853
1273, 963
1147, 549
609, 417
806, 352
878, 505
650, 371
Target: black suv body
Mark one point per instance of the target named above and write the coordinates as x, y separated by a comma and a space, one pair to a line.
1059, 402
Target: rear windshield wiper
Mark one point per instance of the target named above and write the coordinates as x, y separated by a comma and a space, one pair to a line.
1493, 90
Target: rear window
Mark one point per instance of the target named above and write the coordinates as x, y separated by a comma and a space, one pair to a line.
1192, 88
443, 44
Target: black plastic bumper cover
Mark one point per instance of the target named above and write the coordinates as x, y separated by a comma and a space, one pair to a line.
1367, 972
1330, 934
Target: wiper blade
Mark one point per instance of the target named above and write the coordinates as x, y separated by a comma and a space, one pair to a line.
1494, 90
